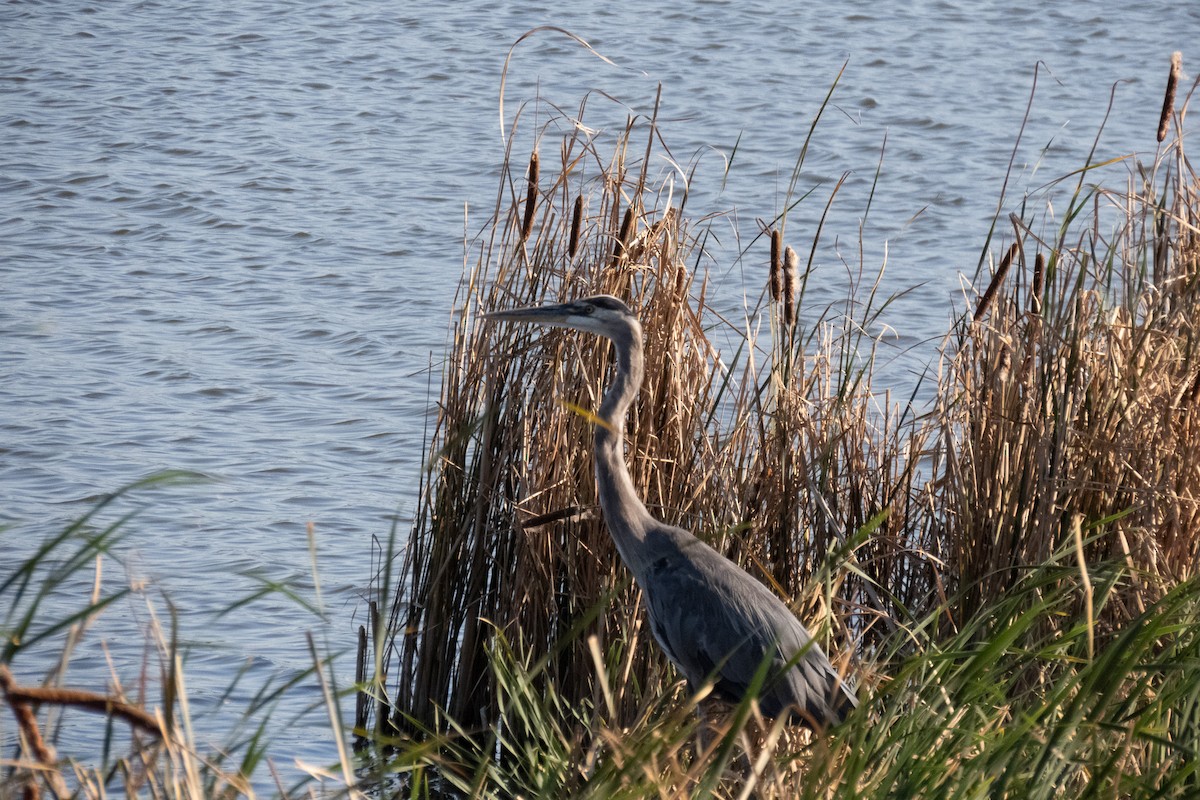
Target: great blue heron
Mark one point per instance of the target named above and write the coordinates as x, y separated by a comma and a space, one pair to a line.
711, 618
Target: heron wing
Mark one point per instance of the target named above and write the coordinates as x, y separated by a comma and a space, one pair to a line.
716, 622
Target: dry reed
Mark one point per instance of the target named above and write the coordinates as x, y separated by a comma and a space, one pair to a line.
509, 536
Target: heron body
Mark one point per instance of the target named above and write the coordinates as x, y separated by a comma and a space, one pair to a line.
711, 618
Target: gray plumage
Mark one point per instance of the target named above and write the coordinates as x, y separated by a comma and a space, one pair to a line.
711, 618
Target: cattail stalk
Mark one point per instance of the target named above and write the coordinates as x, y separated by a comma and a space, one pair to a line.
1168, 108
530, 196
776, 282
362, 700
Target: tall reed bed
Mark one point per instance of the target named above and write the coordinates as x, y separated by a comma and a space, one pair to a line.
1012, 567
509, 538
1071, 414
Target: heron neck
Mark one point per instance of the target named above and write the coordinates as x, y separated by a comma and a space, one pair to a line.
624, 513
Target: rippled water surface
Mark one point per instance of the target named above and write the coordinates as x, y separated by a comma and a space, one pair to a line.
230, 235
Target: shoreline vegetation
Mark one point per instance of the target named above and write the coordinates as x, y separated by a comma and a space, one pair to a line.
1013, 566
1009, 571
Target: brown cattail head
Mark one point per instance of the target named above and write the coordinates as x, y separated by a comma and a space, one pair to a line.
1039, 280
1168, 109
791, 276
576, 221
530, 196
623, 237
776, 283
997, 279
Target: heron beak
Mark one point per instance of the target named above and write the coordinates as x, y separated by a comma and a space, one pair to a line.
547, 315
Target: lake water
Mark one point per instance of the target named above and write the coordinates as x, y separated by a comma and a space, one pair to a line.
230, 235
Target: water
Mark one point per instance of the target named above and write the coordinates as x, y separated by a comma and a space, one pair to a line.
230, 236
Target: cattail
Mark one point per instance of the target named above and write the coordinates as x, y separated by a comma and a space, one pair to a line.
776, 282
576, 221
530, 197
791, 274
623, 237
997, 279
1169, 99
1039, 279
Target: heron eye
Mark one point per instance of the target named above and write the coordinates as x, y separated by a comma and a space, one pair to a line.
589, 309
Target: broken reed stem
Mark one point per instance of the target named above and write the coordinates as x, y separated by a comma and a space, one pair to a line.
1193, 393
576, 222
568, 513
776, 282
27, 722
997, 279
349, 776
531, 196
360, 677
1168, 109
791, 277
25, 717
91, 701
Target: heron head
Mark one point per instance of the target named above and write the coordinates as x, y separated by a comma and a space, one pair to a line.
601, 314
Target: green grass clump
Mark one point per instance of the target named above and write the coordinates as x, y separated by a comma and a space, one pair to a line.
1021, 702
1018, 703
